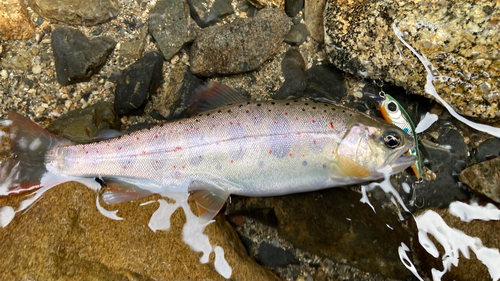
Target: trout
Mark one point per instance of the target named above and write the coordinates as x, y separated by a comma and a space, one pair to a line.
241, 147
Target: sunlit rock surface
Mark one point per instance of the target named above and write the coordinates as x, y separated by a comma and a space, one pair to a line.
64, 237
14, 20
459, 38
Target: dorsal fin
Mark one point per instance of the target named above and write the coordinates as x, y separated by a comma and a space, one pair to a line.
214, 95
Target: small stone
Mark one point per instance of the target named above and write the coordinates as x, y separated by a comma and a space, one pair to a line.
67, 104
178, 92
484, 178
313, 16
293, 7
488, 149
4, 74
171, 26
272, 256
137, 82
76, 12
35, 51
83, 125
240, 46
37, 69
297, 34
269, 4
325, 81
293, 68
15, 23
134, 48
206, 15
76, 57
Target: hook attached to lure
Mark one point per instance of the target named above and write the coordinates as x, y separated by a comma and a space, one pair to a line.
393, 112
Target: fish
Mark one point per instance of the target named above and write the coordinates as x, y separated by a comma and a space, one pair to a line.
394, 113
230, 145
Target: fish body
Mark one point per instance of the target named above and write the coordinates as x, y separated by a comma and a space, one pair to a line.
247, 148
393, 112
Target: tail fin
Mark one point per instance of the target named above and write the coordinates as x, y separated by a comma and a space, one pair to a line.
29, 142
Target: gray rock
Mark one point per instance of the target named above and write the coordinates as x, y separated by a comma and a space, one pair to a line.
360, 40
272, 256
178, 92
206, 15
297, 34
138, 82
484, 178
293, 68
76, 12
293, 7
171, 26
76, 57
487, 149
325, 82
82, 125
240, 46
313, 17
135, 47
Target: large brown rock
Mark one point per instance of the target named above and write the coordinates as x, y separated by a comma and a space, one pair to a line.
484, 178
64, 237
15, 21
240, 46
460, 38
76, 12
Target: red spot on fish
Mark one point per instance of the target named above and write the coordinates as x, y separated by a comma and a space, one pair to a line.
183, 167
313, 121
124, 167
156, 161
187, 130
171, 131
333, 152
86, 152
333, 118
137, 138
213, 125
231, 161
200, 156
97, 151
107, 144
322, 117
52, 153
231, 122
156, 136
58, 146
275, 122
83, 147
291, 154
120, 148
303, 155
269, 110
296, 118
239, 124
197, 129
77, 162
67, 145
314, 141
285, 136
331, 125
270, 151
177, 148
286, 113
175, 167
298, 133
255, 118
143, 152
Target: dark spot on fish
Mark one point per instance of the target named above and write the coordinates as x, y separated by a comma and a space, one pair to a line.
324, 166
240, 105
314, 107
196, 120
273, 103
220, 111
306, 103
304, 163
208, 114
287, 103
229, 111
324, 110
248, 102
303, 109
128, 134
258, 104
180, 123
343, 111
295, 101
269, 110
350, 114
325, 104
248, 111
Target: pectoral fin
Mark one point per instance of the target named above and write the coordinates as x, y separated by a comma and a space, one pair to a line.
350, 168
209, 202
124, 190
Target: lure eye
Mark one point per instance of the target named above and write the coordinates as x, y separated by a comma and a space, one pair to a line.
391, 139
392, 106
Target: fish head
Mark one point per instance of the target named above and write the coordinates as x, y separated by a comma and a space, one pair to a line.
375, 143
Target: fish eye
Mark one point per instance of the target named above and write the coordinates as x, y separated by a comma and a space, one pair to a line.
392, 106
391, 139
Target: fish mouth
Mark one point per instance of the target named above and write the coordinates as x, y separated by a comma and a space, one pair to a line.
403, 162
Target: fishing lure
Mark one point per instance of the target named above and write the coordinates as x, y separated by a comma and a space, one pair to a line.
394, 113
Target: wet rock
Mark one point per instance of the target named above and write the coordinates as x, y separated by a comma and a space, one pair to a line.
134, 48
138, 82
240, 46
76, 57
21, 61
488, 149
272, 256
364, 43
313, 17
171, 26
206, 15
333, 223
82, 125
177, 95
467, 268
76, 12
293, 68
325, 82
293, 7
64, 237
15, 23
269, 4
297, 34
484, 178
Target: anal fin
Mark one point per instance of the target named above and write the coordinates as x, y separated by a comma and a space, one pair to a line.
209, 202
123, 190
